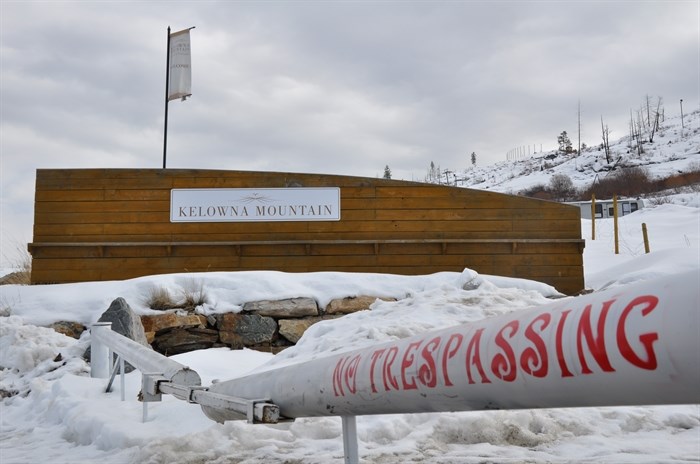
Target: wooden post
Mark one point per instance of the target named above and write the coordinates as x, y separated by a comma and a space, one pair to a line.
646, 237
593, 216
617, 241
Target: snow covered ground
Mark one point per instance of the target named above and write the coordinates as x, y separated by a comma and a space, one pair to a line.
61, 415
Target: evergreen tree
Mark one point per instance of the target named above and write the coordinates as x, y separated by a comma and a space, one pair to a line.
473, 158
564, 142
387, 172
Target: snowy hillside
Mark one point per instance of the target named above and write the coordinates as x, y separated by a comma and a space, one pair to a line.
674, 150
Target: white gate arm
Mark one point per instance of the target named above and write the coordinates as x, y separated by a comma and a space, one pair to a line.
162, 375
634, 345
141, 357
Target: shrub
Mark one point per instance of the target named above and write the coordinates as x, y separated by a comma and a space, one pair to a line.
21, 262
633, 181
629, 182
659, 200
159, 298
561, 187
193, 294
536, 191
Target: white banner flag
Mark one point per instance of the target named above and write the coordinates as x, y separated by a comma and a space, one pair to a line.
180, 81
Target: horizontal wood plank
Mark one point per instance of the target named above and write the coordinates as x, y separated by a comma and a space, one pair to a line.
119, 222
340, 228
152, 211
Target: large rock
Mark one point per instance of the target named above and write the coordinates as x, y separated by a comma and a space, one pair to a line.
352, 304
69, 329
291, 307
239, 330
293, 329
182, 340
125, 322
159, 322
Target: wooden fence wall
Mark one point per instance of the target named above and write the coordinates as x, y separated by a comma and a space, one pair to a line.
107, 224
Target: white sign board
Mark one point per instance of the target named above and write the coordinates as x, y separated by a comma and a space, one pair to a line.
255, 205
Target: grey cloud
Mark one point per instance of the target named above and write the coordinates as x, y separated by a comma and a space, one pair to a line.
336, 87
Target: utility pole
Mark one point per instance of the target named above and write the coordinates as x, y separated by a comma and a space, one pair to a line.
167, 91
682, 125
578, 153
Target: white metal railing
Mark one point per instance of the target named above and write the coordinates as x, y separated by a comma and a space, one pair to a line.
161, 374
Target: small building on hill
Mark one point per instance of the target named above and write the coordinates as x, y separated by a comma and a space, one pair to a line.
107, 224
605, 208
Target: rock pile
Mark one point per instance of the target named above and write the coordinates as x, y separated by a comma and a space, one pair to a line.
269, 325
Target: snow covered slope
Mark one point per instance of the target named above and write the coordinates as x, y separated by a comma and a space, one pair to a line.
675, 149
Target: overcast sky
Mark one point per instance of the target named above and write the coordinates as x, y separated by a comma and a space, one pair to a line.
326, 87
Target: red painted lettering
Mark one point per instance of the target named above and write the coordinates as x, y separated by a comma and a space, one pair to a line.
534, 360
503, 364
565, 372
647, 339
596, 344
351, 374
387, 377
338, 378
453, 344
375, 356
408, 359
473, 348
427, 373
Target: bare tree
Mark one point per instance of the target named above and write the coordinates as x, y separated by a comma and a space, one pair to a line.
630, 141
606, 139
433, 176
647, 101
561, 187
578, 153
651, 123
636, 134
654, 127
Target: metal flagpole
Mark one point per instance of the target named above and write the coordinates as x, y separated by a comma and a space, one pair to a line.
167, 87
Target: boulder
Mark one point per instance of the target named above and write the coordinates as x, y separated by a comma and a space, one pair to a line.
291, 307
239, 330
182, 340
158, 322
69, 329
125, 322
293, 329
352, 304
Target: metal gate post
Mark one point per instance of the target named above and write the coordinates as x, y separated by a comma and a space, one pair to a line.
100, 354
121, 376
350, 440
